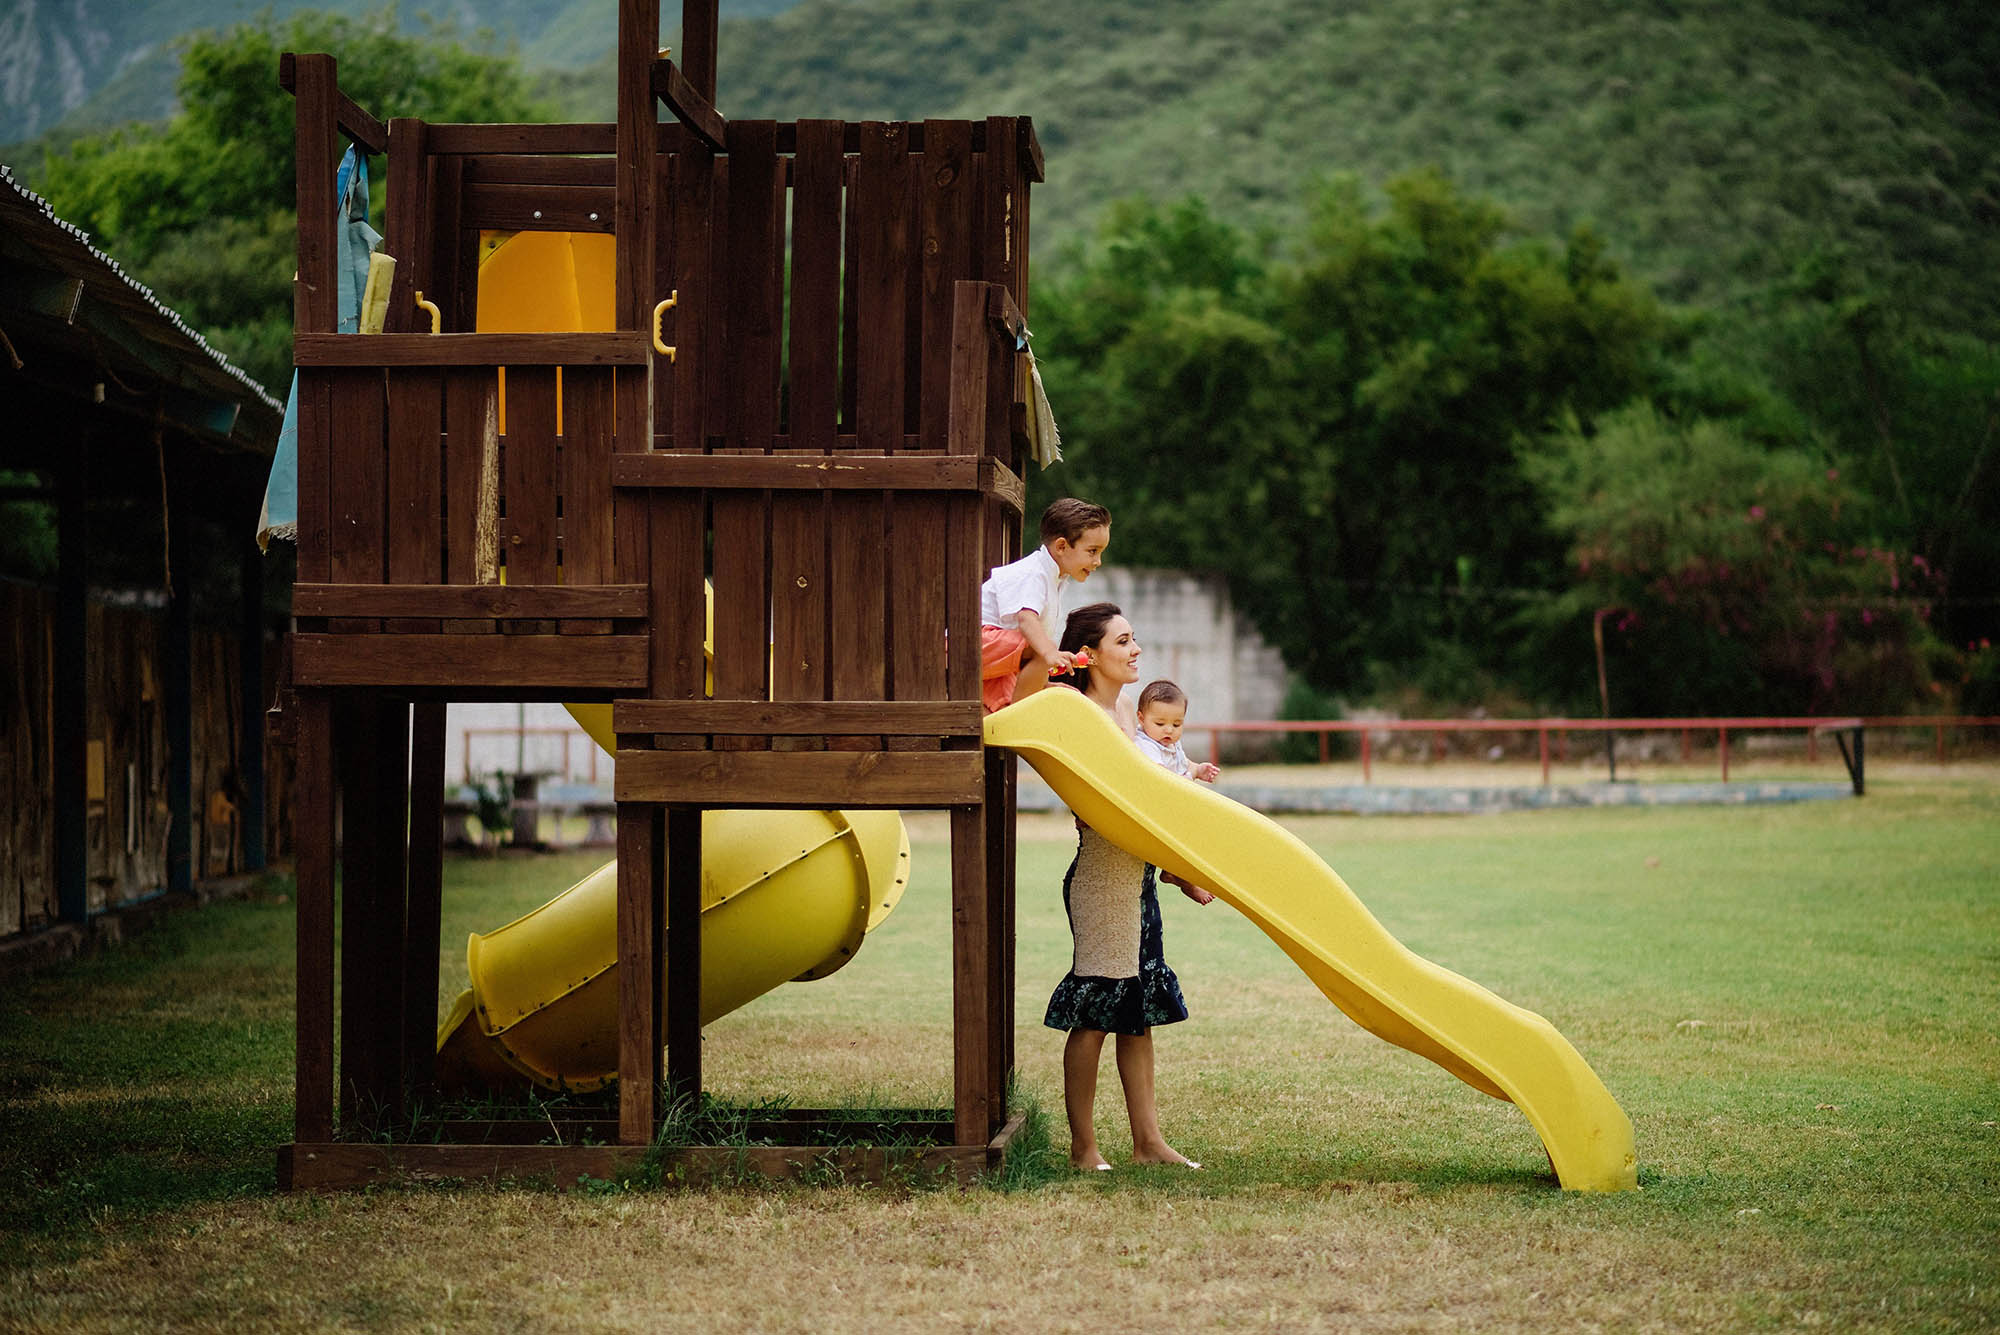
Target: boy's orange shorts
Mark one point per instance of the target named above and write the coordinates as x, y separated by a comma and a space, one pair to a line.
1000, 654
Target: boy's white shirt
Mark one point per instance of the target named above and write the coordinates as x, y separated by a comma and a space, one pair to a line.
1031, 584
1173, 758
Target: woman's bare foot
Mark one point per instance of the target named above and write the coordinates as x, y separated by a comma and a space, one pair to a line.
1092, 1162
1161, 1153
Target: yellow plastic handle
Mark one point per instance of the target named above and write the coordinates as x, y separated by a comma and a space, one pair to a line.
659, 312
437, 316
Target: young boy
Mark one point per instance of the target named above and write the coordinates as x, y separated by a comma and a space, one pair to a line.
1020, 603
1162, 716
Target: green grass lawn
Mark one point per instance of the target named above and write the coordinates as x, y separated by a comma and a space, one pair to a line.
1796, 1005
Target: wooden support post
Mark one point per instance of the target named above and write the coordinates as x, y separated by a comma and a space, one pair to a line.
999, 845
312, 844
178, 650
975, 1103
641, 927
638, 163
69, 735
426, 893
372, 905
683, 958
315, 89
698, 29
250, 666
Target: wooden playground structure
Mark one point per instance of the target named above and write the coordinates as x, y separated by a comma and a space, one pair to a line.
812, 401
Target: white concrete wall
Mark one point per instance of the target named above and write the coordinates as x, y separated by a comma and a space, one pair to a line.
1193, 635
535, 753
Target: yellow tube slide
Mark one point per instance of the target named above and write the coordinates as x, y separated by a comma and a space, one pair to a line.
786, 895
1272, 878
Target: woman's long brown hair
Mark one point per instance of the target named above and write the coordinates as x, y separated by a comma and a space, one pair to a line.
1085, 630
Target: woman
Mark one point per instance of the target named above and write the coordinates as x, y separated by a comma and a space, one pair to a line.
1118, 982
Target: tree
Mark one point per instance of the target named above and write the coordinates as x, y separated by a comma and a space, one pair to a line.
201, 207
1336, 431
1731, 576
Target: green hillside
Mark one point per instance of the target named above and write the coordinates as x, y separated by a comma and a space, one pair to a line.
1708, 141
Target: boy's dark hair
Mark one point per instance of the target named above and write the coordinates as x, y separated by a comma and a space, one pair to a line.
1068, 517
1084, 629
1161, 692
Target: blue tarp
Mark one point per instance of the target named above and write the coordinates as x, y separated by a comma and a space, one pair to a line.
355, 241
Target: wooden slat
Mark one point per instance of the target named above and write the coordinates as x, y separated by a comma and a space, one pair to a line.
586, 137
315, 453
714, 334
881, 200
858, 601
686, 324
472, 477
528, 661
586, 476
357, 480
415, 482
642, 928
799, 472
469, 600
965, 566
755, 294
741, 566
600, 349
807, 778
529, 476
530, 170
850, 305
815, 303
921, 718
450, 244
679, 604
799, 627
917, 599
540, 208
313, 854
947, 260
409, 218
999, 191
1019, 142
632, 427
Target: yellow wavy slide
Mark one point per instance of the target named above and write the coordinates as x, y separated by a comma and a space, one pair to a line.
1273, 879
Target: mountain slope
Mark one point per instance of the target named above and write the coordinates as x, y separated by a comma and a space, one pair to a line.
1711, 142
89, 64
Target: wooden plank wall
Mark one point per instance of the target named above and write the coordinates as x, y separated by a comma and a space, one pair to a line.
431, 490
126, 819
814, 316
27, 778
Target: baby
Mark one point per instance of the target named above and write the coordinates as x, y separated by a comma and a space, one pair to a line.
1162, 715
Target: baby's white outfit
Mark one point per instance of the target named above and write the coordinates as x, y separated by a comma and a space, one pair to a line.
1171, 758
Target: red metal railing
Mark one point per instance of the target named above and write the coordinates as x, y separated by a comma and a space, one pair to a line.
1812, 726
